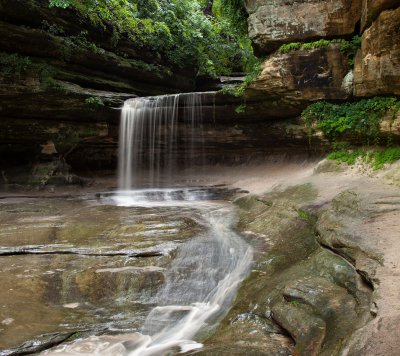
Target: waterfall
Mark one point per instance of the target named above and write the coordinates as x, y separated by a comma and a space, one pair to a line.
151, 148
203, 279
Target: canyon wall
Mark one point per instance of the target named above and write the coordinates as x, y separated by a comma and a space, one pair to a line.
301, 76
62, 81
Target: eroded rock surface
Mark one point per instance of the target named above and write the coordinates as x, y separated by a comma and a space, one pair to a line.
273, 23
372, 8
297, 78
325, 281
377, 65
300, 298
69, 267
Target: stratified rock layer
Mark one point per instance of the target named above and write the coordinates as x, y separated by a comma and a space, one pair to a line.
274, 22
303, 76
377, 65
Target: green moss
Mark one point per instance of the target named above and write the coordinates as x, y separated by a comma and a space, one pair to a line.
303, 215
288, 47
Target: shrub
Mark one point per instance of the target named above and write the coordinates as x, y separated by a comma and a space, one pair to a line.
349, 48
14, 65
361, 119
94, 101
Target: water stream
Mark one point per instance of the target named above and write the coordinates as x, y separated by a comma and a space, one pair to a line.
151, 144
203, 279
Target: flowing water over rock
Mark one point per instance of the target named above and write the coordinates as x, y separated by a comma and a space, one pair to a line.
198, 290
138, 272
205, 275
151, 147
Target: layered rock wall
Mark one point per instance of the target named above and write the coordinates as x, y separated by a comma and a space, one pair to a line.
322, 68
297, 78
377, 65
275, 22
62, 82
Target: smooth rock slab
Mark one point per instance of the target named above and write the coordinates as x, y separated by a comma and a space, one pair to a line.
66, 266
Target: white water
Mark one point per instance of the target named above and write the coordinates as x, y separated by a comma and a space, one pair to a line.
199, 288
152, 145
203, 279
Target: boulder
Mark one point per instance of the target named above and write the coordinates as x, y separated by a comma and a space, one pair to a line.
303, 76
275, 22
377, 65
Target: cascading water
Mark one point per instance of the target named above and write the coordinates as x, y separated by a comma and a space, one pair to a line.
199, 288
203, 279
151, 147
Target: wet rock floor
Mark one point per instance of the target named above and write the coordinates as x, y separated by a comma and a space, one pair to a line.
74, 265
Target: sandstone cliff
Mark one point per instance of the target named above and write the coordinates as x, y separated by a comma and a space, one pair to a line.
302, 76
62, 82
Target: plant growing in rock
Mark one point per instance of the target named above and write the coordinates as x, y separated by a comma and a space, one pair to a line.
14, 65
241, 109
376, 157
52, 29
359, 119
238, 90
349, 48
94, 101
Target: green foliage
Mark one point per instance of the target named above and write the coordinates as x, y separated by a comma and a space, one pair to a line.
304, 215
241, 109
60, 3
346, 156
52, 29
94, 101
286, 48
389, 155
360, 119
238, 90
16, 67
376, 158
349, 48
79, 42
177, 29
13, 66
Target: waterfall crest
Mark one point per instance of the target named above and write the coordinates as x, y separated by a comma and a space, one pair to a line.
151, 148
